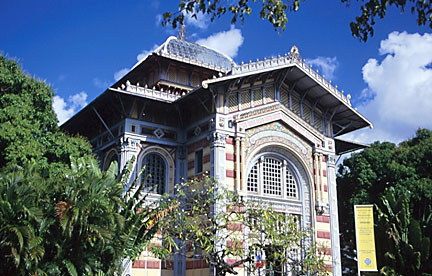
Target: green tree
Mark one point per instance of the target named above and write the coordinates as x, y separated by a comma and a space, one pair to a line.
215, 225
276, 12
28, 124
403, 171
80, 222
402, 238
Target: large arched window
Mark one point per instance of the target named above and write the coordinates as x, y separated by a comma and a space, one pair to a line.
154, 174
271, 176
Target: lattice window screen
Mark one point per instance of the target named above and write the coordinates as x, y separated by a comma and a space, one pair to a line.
257, 96
291, 184
182, 77
269, 94
272, 176
172, 74
307, 114
318, 124
252, 181
295, 105
233, 102
154, 173
195, 82
245, 100
284, 97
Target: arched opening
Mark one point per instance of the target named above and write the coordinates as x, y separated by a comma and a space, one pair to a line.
154, 175
110, 157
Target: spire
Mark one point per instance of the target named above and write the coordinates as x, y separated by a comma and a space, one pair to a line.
182, 32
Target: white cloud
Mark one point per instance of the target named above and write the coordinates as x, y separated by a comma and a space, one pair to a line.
227, 42
102, 84
65, 109
145, 53
120, 73
201, 21
327, 65
399, 93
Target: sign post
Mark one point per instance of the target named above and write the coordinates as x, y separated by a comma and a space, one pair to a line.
365, 238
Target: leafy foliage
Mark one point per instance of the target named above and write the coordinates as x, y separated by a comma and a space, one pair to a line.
398, 180
28, 124
276, 12
218, 226
77, 223
407, 249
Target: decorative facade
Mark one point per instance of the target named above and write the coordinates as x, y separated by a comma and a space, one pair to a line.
267, 129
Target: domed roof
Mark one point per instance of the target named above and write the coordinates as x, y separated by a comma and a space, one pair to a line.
194, 53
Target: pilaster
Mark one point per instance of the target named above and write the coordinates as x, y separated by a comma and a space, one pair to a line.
128, 149
334, 221
217, 147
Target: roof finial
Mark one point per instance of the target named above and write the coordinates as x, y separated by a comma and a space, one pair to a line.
294, 50
182, 32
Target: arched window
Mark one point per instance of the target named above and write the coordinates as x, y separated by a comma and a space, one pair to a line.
271, 176
109, 158
154, 174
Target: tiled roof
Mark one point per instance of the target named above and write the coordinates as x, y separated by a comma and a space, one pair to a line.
195, 54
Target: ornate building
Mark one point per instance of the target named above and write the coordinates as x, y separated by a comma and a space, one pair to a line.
266, 128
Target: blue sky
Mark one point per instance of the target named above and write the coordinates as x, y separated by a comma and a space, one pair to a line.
79, 47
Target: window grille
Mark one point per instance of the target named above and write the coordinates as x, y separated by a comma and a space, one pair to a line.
172, 74
291, 185
307, 114
296, 105
269, 94
318, 124
252, 181
284, 97
182, 77
245, 100
257, 96
154, 173
272, 177
194, 80
233, 102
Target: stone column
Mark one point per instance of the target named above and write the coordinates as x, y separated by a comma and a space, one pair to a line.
334, 221
217, 147
237, 163
128, 149
179, 266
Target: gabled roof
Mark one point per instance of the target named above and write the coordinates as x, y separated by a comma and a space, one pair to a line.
193, 53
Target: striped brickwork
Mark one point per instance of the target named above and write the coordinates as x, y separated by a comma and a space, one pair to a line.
205, 146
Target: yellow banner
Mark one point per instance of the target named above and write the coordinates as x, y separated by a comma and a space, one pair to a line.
366, 257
